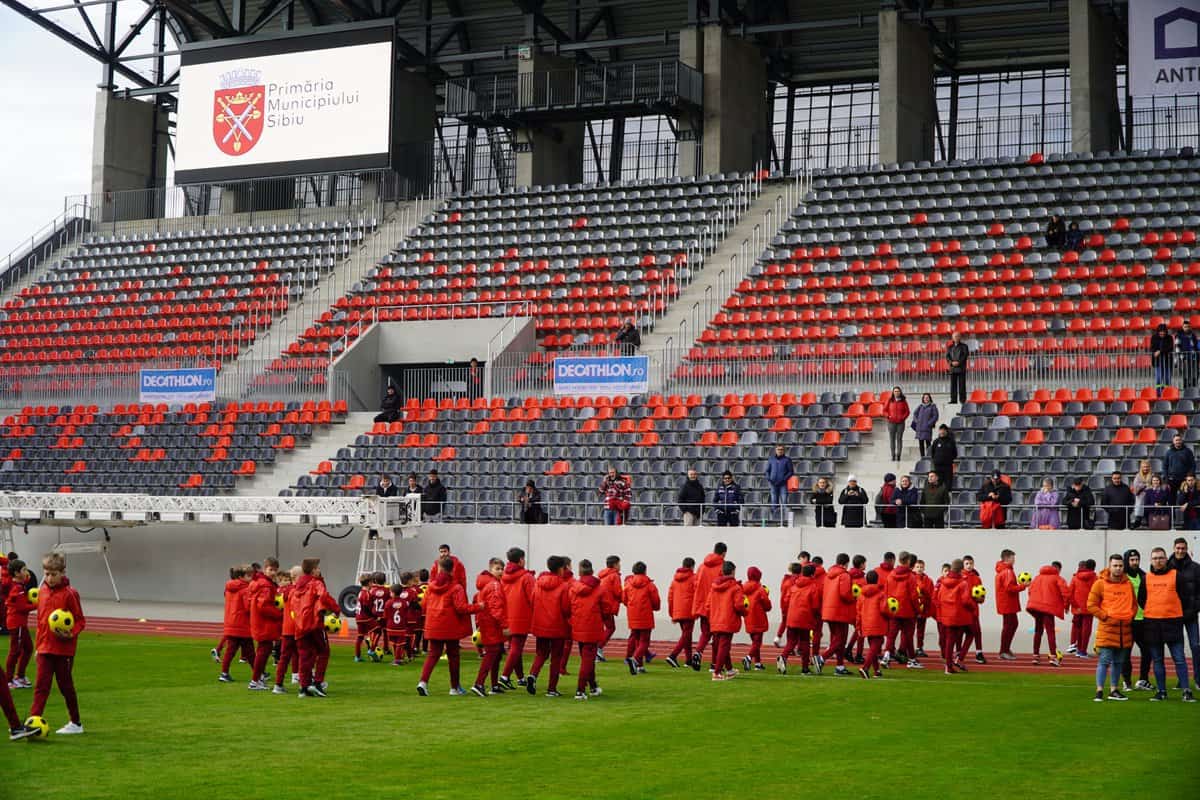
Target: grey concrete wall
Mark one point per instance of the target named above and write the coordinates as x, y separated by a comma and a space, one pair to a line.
361, 362
555, 150
907, 100
1094, 110
188, 563
123, 153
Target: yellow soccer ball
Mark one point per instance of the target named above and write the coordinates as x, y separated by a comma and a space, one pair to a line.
40, 725
767, 591
1024, 577
279, 602
333, 623
62, 622
746, 602
893, 605
32, 595
855, 590
476, 639
978, 592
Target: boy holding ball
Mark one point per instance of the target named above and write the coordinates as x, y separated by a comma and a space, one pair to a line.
56, 650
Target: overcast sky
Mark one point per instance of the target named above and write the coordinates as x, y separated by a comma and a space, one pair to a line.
47, 97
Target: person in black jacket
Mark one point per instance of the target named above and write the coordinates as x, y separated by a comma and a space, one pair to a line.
957, 356
821, 499
853, 500
1162, 353
532, 512
727, 502
1078, 503
994, 498
691, 499
386, 488
433, 496
1056, 232
628, 338
389, 410
908, 502
1118, 503
1189, 597
943, 452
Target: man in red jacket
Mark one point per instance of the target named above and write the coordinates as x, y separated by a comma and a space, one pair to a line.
759, 600
447, 622
641, 599
492, 627
901, 585
803, 616
517, 585
725, 609
551, 612
237, 620
1008, 601
710, 570
591, 604
313, 603
266, 620
680, 598
954, 603
972, 577
457, 570
838, 609
56, 652
610, 579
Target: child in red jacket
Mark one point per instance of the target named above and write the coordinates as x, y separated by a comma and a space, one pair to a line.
592, 604
925, 593
858, 577
237, 620
447, 622
954, 603
266, 620
56, 652
1008, 601
517, 584
16, 613
1049, 597
726, 606
551, 612
803, 617
872, 622
759, 603
610, 579
972, 576
289, 655
641, 599
395, 616
364, 620
1081, 620
313, 603
492, 627
680, 598
785, 589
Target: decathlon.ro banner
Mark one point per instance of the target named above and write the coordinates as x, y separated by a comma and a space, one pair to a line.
175, 386
287, 106
604, 376
1164, 47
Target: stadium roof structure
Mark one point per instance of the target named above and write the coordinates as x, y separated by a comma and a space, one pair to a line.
804, 42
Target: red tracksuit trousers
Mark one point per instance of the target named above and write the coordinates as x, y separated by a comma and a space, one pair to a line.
289, 656
587, 666
548, 650
20, 650
684, 645
314, 657
1081, 631
722, 643
638, 645
1008, 630
489, 663
516, 652
54, 668
1044, 622
838, 632
799, 641
453, 660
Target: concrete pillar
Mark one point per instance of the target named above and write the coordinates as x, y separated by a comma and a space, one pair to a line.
733, 133
1095, 115
414, 121
548, 152
907, 99
129, 157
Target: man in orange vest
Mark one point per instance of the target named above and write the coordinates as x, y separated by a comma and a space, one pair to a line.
1113, 603
1161, 597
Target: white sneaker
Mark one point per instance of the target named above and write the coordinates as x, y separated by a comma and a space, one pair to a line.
24, 683
279, 690
69, 729
295, 678
775, 641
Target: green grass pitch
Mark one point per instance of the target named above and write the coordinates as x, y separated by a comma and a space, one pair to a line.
160, 725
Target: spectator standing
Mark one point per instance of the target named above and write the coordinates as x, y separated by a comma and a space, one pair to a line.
389, 410
1078, 502
852, 499
923, 419
885, 502
629, 339
413, 486
691, 499
1188, 347
935, 499
943, 452
1189, 596
1178, 463
1188, 498
532, 512
821, 499
1074, 237
1162, 351
1113, 603
994, 498
908, 504
727, 502
474, 379
433, 497
1056, 232
1118, 502
957, 356
1141, 482
385, 487
1160, 500
1133, 571
896, 411
779, 471
617, 497
1045, 508
1161, 597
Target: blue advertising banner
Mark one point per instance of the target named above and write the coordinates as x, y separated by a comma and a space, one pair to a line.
178, 385
603, 376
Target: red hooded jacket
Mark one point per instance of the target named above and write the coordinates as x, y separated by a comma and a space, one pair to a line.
954, 601
551, 606
311, 598
1080, 587
871, 620
237, 609
447, 612
973, 579
517, 585
49, 601
681, 595
902, 585
895, 410
1048, 593
760, 604
610, 579
460, 572
710, 570
1008, 591
17, 606
837, 599
289, 610
726, 605
641, 600
590, 603
925, 592
266, 621
883, 571
804, 603
490, 613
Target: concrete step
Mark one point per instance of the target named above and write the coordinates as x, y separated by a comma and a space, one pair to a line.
323, 446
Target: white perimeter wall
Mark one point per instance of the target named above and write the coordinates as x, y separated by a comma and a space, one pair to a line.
189, 563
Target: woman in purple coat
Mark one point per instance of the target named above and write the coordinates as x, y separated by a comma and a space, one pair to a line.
923, 421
